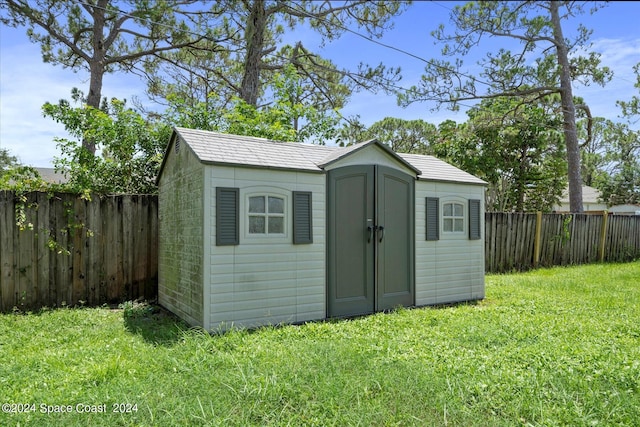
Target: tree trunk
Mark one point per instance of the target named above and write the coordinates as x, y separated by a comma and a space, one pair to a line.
96, 66
256, 27
568, 113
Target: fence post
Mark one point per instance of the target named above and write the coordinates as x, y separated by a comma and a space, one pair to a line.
536, 240
603, 234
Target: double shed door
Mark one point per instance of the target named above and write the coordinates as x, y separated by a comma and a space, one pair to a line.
370, 240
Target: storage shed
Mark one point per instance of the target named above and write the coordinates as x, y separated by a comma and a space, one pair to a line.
256, 232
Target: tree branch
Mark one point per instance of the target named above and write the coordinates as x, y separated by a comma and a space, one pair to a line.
587, 110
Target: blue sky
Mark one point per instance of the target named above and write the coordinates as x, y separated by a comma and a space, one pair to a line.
26, 83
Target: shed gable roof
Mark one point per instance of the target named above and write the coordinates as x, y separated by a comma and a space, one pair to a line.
343, 152
235, 150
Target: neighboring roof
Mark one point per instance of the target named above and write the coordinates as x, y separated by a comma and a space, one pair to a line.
589, 195
50, 175
629, 207
234, 150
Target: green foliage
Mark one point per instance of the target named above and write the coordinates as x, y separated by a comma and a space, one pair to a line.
528, 65
128, 32
631, 108
620, 181
593, 152
7, 161
620, 184
285, 119
352, 132
403, 136
543, 349
517, 149
611, 161
543, 63
131, 148
21, 180
249, 49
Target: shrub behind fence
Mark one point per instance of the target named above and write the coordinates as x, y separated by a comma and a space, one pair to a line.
72, 251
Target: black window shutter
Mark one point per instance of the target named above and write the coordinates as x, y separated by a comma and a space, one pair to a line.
302, 218
474, 219
227, 216
433, 221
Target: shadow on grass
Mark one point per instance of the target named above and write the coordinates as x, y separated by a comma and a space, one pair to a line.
153, 323
161, 327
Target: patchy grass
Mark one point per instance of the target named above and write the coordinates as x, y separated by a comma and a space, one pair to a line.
549, 347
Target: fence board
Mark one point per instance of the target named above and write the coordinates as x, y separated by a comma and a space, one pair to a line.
7, 225
105, 251
565, 239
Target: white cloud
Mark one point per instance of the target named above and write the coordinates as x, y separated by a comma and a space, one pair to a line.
620, 55
26, 84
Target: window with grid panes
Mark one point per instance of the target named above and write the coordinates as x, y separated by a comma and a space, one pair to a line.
266, 214
453, 217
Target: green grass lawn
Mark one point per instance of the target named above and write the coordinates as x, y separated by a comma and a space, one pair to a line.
553, 347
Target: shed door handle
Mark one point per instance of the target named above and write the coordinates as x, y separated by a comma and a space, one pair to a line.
381, 232
369, 233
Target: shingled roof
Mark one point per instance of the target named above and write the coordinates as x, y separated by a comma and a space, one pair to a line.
234, 150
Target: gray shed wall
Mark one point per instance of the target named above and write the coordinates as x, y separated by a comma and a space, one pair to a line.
181, 238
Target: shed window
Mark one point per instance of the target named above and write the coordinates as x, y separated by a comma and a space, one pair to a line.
266, 215
453, 217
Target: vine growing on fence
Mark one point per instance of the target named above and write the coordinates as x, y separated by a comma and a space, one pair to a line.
566, 229
23, 180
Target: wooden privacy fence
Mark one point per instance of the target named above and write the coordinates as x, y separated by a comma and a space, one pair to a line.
520, 241
72, 251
